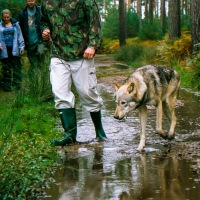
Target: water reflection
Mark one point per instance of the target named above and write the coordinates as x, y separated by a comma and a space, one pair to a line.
148, 176
114, 170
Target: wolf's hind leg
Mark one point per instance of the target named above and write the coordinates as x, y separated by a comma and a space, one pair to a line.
143, 123
169, 111
159, 121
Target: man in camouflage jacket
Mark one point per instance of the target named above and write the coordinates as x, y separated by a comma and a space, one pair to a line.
73, 29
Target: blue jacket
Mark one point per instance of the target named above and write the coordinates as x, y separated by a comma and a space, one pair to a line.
18, 42
23, 22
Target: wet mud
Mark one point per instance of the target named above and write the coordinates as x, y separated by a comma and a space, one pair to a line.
112, 170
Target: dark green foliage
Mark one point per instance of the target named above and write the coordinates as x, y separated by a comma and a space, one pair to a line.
196, 77
13, 6
132, 19
185, 22
135, 54
151, 31
27, 159
111, 24
25, 166
128, 53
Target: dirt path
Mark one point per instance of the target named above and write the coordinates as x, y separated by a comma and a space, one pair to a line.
107, 75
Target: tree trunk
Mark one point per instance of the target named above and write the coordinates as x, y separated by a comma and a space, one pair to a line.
129, 3
187, 7
163, 16
139, 11
174, 19
195, 22
156, 8
122, 23
146, 12
151, 9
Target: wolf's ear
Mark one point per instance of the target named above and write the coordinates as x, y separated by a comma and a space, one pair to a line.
117, 85
131, 87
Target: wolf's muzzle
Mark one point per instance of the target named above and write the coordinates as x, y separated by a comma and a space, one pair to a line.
116, 117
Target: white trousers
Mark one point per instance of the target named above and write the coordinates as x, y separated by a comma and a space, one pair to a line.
82, 74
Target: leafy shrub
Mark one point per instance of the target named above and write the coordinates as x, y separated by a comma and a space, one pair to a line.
111, 25
109, 46
135, 54
132, 20
170, 52
128, 53
195, 64
27, 159
25, 165
151, 31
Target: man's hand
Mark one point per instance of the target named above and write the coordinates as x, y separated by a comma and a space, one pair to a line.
89, 53
46, 34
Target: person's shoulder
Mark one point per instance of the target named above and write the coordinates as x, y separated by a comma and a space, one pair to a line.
14, 21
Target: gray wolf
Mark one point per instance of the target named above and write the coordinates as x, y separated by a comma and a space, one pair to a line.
149, 85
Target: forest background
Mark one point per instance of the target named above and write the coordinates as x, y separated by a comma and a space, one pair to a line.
136, 32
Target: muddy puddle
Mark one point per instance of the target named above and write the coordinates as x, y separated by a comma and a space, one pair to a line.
114, 170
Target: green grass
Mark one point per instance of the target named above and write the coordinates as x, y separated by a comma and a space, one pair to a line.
135, 55
27, 158
28, 123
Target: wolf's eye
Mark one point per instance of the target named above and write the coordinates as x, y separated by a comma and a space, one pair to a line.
123, 102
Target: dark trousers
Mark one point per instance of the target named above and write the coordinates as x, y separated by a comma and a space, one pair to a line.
12, 71
38, 57
37, 54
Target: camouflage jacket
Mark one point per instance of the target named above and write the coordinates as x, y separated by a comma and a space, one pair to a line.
74, 25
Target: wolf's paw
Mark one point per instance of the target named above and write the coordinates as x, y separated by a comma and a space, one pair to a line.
141, 148
171, 136
162, 134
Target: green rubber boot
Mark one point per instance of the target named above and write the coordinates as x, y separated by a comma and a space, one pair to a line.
96, 118
68, 119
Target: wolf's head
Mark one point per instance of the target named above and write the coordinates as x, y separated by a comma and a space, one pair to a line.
128, 97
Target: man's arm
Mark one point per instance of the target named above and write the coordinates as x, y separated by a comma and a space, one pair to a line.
95, 32
44, 21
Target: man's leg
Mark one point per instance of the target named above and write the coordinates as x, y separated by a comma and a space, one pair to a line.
60, 77
85, 81
68, 119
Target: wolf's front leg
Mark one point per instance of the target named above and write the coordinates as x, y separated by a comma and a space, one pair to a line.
159, 112
171, 134
143, 123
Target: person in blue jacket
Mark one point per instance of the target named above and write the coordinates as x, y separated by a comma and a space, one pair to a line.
11, 49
